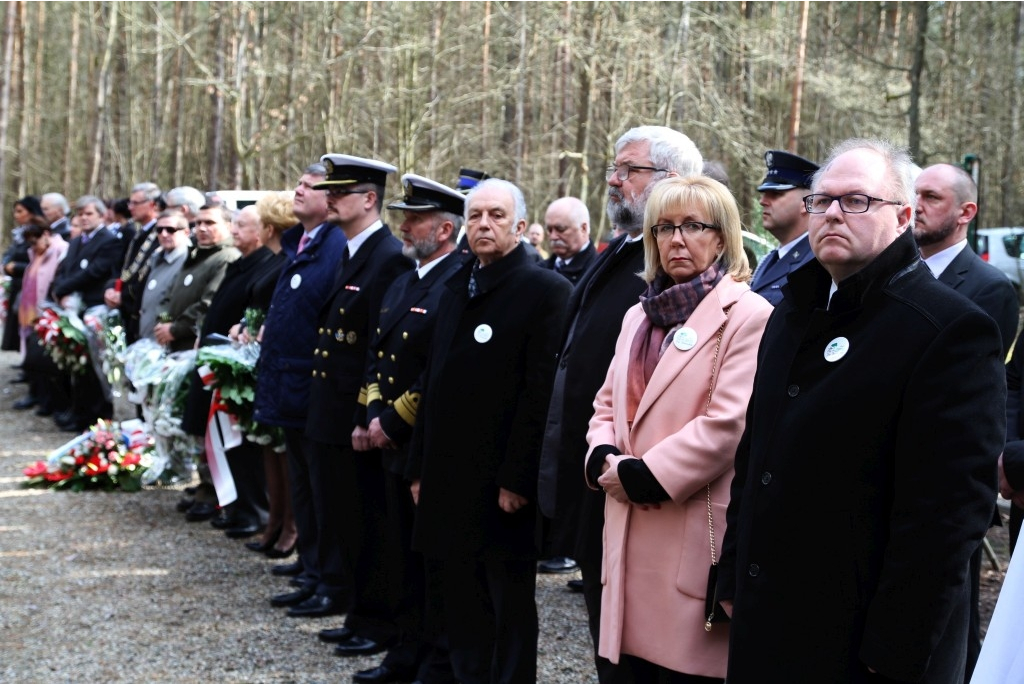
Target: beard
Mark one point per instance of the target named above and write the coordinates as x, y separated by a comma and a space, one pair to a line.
422, 248
627, 214
934, 236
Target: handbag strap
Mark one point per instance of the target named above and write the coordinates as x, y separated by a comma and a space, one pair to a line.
707, 408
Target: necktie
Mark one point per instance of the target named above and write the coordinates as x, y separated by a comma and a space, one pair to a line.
472, 281
559, 265
302, 242
85, 237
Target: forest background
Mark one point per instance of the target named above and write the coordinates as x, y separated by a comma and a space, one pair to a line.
97, 96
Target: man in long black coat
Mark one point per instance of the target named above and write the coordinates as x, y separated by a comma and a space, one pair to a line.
866, 473
477, 440
348, 485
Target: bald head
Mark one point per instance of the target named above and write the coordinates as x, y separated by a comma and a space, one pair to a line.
245, 230
568, 225
947, 202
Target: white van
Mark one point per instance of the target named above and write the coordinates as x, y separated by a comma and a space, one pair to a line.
236, 199
1001, 247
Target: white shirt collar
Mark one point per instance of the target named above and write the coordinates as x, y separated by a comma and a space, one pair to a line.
938, 262
425, 269
784, 249
357, 241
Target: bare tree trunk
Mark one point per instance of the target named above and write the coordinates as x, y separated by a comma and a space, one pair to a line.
5, 104
178, 99
798, 81
1012, 145
102, 86
485, 67
72, 102
217, 105
914, 111
20, 103
157, 112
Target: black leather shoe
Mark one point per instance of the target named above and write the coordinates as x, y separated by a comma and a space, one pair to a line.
317, 606
383, 674
63, 416
290, 599
43, 410
184, 504
243, 531
200, 511
358, 646
296, 582
26, 402
224, 520
275, 553
292, 569
576, 585
557, 565
341, 634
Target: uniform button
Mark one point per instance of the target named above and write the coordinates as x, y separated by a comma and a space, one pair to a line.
753, 570
793, 390
314, 373
316, 351
324, 354
323, 374
321, 331
391, 403
562, 364
327, 331
342, 311
380, 355
378, 376
405, 335
391, 380
766, 478
393, 358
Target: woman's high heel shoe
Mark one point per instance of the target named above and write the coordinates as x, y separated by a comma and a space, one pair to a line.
265, 547
275, 553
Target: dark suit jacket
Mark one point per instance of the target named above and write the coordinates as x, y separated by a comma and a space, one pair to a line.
902, 430
593, 320
347, 322
575, 269
399, 355
987, 287
63, 227
768, 282
481, 420
87, 268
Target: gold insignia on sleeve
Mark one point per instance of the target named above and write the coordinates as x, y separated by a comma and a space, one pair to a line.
407, 405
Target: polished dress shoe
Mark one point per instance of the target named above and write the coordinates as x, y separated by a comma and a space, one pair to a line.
341, 634
26, 402
223, 520
383, 674
63, 416
200, 511
576, 585
290, 599
275, 553
43, 410
292, 569
243, 531
184, 504
316, 606
358, 646
257, 546
557, 565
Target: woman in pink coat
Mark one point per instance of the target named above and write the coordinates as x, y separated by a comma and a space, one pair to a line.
664, 433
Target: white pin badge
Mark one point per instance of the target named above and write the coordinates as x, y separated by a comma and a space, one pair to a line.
83, 264
296, 281
482, 333
188, 280
685, 338
151, 284
837, 349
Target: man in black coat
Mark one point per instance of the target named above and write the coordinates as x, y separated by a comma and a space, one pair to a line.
643, 156
125, 292
947, 202
476, 444
81, 278
398, 355
568, 224
55, 208
348, 485
871, 442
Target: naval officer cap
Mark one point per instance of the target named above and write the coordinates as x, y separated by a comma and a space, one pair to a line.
786, 171
424, 195
469, 178
344, 170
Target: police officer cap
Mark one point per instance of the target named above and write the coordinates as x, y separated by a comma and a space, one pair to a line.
786, 171
468, 178
343, 170
424, 195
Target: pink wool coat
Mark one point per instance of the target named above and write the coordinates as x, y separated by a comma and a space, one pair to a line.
656, 562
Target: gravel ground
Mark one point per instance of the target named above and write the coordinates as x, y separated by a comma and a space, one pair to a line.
117, 587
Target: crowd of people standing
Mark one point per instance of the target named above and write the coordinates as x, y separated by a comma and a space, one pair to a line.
463, 406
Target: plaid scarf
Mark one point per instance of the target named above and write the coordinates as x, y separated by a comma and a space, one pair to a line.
668, 305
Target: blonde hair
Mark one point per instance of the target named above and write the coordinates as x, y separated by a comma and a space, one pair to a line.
711, 199
275, 210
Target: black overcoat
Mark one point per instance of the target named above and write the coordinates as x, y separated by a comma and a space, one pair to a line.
987, 287
864, 479
481, 419
347, 322
86, 268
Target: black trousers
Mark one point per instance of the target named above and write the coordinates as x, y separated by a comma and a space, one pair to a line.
348, 494
490, 613
308, 543
246, 464
87, 400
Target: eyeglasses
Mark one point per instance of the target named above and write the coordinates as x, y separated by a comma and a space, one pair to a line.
688, 228
624, 171
851, 203
167, 229
338, 192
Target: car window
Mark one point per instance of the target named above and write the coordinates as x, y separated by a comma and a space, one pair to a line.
1012, 244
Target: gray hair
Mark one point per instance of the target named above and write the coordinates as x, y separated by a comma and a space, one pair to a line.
186, 197
57, 199
150, 191
518, 201
670, 149
900, 184
316, 169
87, 200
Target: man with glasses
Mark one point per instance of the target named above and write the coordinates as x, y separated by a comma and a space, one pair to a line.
172, 234
125, 292
870, 448
643, 156
783, 215
568, 225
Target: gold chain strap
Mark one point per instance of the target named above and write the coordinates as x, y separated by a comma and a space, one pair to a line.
707, 408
